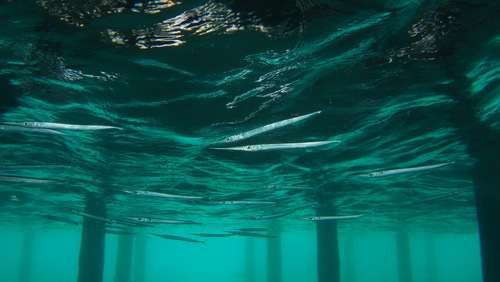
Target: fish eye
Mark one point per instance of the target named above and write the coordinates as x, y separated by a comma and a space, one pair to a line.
25, 123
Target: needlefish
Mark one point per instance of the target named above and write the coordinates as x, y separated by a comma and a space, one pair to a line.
6, 127
333, 217
265, 128
53, 125
284, 187
251, 234
103, 219
245, 202
211, 234
172, 237
57, 218
271, 216
158, 194
279, 146
440, 196
159, 220
403, 170
10, 178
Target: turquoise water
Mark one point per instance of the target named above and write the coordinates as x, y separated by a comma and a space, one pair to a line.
396, 82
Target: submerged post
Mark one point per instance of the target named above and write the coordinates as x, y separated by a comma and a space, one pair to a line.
349, 261
327, 247
250, 259
404, 260
91, 261
430, 262
26, 264
124, 258
486, 182
140, 258
274, 253
483, 145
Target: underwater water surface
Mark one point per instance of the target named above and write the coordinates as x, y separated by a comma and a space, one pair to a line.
213, 140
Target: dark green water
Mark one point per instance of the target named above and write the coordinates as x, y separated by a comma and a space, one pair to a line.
394, 81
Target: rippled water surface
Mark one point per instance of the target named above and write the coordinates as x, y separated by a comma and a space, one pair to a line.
395, 81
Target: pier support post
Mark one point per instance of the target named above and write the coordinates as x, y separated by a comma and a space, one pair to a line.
430, 262
349, 260
327, 247
140, 257
26, 264
91, 261
486, 182
124, 258
274, 253
250, 260
404, 260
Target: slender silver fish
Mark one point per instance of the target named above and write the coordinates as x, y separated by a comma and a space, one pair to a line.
33, 166
403, 170
271, 216
211, 234
10, 178
251, 234
264, 128
279, 146
52, 125
440, 196
252, 229
413, 215
57, 218
159, 220
245, 202
284, 187
172, 237
117, 232
333, 217
103, 219
158, 194
7, 127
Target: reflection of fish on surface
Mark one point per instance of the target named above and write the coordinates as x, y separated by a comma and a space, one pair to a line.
279, 146
159, 194
402, 170
172, 237
285, 187
333, 217
265, 128
159, 220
